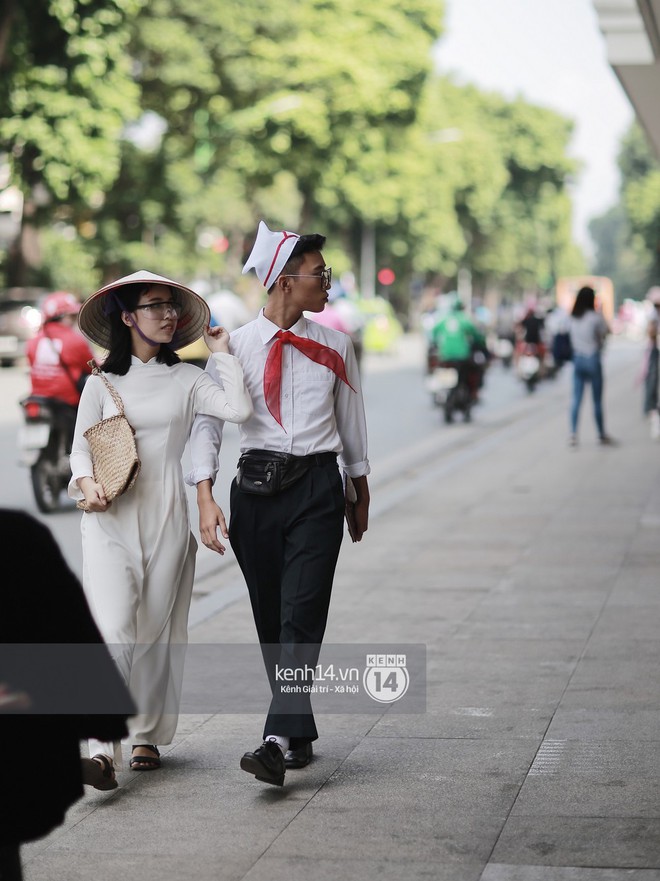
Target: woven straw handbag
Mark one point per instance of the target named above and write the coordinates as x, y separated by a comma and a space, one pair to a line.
113, 449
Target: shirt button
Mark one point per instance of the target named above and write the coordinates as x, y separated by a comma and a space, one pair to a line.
286, 396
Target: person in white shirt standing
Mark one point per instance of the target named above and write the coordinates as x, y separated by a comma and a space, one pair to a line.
287, 501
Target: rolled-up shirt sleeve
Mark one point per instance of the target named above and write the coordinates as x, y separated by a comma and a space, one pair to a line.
205, 443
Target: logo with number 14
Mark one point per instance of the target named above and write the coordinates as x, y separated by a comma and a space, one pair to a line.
386, 678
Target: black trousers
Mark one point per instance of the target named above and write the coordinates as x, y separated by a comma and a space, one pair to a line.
287, 546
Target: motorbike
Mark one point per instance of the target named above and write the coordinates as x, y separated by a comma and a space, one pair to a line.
529, 366
503, 350
447, 384
44, 444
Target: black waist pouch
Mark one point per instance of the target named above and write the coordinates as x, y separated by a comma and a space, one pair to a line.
266, 472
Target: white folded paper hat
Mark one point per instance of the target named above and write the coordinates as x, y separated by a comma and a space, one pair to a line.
270, 253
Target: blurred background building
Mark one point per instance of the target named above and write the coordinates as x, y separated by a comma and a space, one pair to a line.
632, 37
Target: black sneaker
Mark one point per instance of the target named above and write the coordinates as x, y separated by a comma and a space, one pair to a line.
266, 763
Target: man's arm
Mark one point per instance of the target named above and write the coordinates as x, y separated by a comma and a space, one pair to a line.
352, 427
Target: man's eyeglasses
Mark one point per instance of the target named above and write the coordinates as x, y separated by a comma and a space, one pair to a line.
161, 310
324, 276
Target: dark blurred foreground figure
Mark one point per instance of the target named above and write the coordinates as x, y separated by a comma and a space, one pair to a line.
44, 618
588, 330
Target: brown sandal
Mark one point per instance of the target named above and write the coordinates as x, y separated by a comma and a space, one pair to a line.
99, 772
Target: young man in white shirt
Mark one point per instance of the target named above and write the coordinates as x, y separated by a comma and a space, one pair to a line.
308, 418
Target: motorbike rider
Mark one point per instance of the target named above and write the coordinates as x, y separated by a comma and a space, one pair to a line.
457, 338
58, 356
530, 332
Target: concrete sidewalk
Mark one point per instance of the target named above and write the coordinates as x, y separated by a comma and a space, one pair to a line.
531, 571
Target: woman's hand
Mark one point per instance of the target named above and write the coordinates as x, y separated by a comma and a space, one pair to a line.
217, 339
94, 495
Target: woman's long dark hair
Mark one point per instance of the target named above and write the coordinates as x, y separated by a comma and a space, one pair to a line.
125, 299
584, 302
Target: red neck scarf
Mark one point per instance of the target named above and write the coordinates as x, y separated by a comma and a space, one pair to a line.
273, 369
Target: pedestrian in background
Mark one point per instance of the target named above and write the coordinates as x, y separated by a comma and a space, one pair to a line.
649, 377
305, 384
557, 325
588, 331
43, 611
59, 356
139, 551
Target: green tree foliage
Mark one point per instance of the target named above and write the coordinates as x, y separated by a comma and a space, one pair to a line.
261, 102
66, 92
322, 116
627, 237
619, 256
484, 186
525, 242
640, 173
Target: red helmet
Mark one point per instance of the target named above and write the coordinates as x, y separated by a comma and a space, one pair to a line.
58, 304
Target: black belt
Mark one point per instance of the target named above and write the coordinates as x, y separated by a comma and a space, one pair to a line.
312, 459
318, 458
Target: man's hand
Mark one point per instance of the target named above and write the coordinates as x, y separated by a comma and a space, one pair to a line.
357, 512
210, 519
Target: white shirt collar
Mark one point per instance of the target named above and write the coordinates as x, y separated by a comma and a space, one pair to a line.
267, 329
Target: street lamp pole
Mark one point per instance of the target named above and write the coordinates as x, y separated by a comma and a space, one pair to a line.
368, 262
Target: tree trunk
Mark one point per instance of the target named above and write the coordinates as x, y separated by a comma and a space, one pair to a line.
5, 28
24, 253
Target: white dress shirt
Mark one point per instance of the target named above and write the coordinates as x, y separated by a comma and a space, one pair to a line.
319, 412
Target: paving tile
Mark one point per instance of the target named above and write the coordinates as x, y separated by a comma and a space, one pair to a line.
585, 724
605, 842
501, 872
365, 834
592, 778
210, 864
341, 868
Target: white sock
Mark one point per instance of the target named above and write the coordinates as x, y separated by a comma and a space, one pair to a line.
282, 742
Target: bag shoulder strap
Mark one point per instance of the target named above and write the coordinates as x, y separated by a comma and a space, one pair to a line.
96, 371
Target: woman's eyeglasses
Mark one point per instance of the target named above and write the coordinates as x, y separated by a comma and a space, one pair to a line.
161, 310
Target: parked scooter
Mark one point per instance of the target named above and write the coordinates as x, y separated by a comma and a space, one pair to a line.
44, 443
